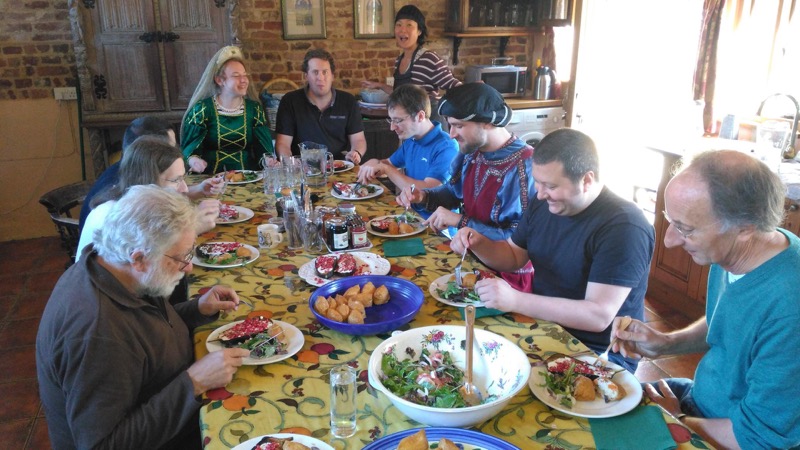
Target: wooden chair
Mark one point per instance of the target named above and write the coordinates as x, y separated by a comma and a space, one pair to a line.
59, 203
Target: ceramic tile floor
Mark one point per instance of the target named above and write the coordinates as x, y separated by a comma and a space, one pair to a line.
30, 269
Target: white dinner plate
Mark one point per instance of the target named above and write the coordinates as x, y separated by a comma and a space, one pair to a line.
441, 283
245, 214
378, 191
259, 176
293, 335
348, 165
418, 228
597, 408
372, 105
200, 263
313, 443
366, 264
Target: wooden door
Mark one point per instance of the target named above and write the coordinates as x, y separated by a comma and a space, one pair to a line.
125, 70
194, 31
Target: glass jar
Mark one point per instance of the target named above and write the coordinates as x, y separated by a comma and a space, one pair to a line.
337, 234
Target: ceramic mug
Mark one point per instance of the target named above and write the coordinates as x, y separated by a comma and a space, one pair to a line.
269, 235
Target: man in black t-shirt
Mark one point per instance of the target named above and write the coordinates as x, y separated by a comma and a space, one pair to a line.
590, 249
320, 114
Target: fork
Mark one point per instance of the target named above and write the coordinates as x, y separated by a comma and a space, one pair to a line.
603, 357
458, 267
404, 217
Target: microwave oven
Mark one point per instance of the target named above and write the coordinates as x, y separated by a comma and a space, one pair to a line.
510, 81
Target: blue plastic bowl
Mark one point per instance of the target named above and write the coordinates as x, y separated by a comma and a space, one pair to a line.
405, 300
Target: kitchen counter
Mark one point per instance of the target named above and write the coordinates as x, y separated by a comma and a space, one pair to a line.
527, 103
789, 170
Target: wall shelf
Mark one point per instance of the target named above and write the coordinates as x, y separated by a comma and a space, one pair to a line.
503, 35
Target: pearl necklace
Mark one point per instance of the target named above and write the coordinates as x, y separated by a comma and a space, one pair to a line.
231, 111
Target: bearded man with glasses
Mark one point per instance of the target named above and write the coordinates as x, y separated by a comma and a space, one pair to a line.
115, 360
426, 150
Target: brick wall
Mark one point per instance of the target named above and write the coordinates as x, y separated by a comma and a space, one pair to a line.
35, 49
36, 52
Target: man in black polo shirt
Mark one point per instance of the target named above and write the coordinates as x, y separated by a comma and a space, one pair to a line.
319, 113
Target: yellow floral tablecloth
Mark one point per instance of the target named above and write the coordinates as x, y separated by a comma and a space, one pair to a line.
292, 396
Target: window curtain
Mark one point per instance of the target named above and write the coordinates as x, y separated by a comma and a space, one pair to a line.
749, 50
706, 71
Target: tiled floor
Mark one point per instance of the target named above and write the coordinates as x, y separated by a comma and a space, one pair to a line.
30, 269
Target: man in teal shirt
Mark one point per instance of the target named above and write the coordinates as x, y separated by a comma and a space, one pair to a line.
724, 209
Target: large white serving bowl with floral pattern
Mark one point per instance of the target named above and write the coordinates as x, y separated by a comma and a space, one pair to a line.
500, 371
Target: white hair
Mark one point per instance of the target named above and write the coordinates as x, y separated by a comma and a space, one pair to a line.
147, 218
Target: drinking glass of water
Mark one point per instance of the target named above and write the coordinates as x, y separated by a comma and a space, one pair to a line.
343, 401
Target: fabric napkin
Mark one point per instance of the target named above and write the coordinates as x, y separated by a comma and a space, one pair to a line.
405, 247
643, 427
482, 312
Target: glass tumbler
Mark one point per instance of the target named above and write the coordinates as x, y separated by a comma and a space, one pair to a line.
343, 401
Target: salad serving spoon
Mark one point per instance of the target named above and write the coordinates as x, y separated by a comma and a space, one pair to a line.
469, 392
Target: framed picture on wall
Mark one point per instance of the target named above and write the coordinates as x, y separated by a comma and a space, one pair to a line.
303, 19
373, 18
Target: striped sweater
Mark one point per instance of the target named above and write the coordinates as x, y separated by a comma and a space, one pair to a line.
429, 71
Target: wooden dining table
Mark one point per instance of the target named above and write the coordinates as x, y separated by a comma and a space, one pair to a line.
292, 395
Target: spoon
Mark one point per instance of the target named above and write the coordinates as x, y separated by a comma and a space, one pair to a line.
469, 392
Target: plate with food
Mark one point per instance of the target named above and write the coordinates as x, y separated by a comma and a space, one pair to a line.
241, 176
268, 340
224, 255
441, 438
342, 166
445, 290
576, 386
355, 191
395, 227
233, 214
283, 441
333, 266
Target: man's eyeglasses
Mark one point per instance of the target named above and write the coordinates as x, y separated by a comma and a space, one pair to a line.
396, 121
686, 234
185, 261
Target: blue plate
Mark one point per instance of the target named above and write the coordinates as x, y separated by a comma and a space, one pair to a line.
468, 439
405, 300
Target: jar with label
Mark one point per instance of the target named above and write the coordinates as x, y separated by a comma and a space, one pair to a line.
338, 235
325, 212
358, 232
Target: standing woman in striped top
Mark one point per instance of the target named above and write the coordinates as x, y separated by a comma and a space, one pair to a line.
417, 65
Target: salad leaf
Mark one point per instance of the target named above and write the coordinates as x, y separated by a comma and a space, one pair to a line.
263, 345
458, 294
433, 380
561, 386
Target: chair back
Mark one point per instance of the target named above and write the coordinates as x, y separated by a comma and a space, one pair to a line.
59, 203
270, 97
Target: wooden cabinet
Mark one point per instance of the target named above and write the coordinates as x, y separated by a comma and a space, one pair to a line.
503, 16
137, 57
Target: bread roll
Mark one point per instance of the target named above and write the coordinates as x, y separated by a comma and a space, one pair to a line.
351, 291
447, 444
321, 305
405, 228
394, 228
364, 299
368, 288
416, 441
583, 389
381, 295
355, 317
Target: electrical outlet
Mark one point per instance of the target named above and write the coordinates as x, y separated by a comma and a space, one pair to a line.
65, 93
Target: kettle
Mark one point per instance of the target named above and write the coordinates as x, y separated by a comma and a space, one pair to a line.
544, 83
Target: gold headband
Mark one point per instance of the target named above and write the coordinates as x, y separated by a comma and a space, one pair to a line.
226, 54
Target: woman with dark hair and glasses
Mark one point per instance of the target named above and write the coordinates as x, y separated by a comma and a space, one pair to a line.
416, 64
